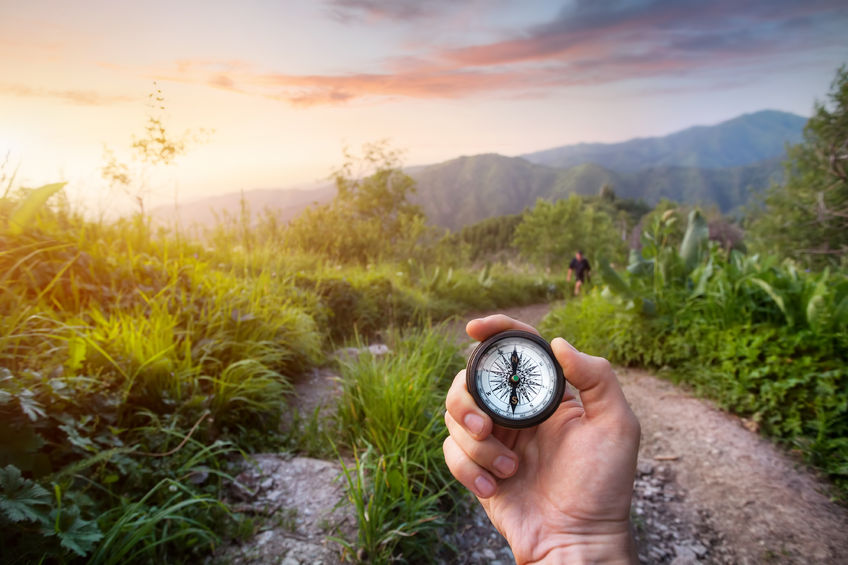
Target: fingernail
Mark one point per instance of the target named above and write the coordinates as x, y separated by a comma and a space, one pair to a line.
504, 465
564, 341
484, 486
474, 423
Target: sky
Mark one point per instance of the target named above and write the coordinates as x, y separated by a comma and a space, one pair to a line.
268, 94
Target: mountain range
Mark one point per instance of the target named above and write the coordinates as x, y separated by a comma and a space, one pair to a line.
719, 165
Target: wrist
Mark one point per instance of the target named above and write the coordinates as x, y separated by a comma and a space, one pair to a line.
612, 548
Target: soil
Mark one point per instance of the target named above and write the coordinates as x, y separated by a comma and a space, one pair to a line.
708, 489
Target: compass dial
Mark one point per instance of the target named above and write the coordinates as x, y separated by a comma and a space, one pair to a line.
514, 378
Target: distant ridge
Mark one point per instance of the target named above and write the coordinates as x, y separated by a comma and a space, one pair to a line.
285, 203
470, 189
719, 165
744, 140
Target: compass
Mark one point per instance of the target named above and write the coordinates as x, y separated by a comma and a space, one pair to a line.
514, 378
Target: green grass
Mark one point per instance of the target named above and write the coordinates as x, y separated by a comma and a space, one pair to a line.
137, 365
390, 415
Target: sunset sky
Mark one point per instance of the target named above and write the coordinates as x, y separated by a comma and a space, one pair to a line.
283, 86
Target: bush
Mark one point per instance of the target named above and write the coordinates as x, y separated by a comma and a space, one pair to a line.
761, 338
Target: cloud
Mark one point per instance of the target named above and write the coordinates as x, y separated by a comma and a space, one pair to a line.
667, 28
347, 11
77, 97
585, 43
310, 90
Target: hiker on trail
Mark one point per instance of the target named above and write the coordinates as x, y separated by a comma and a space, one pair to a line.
580, 266
558, 492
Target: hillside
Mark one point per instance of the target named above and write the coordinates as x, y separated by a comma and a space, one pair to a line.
741, 141
711, 165
285, 203
470, 189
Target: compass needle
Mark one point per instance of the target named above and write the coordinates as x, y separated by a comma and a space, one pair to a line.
514, 377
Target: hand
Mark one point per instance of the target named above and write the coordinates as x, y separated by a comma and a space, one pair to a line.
561, 490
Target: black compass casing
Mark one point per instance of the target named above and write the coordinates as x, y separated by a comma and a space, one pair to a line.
552, 390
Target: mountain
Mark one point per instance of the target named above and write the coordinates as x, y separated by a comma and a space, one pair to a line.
741, 141
469, 189
709, 165
286, 203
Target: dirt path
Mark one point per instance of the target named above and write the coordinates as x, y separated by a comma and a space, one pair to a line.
746, 500
707, 490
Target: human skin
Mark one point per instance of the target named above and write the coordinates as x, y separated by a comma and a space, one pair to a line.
560, 491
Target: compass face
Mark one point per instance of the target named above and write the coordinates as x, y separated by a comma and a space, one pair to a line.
515, 379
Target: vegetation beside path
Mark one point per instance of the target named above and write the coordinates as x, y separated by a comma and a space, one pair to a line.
137, 364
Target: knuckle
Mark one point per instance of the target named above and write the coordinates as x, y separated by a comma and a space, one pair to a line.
600, 364
628, 424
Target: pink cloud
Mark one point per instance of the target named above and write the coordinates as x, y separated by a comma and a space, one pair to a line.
73, 96
587, 43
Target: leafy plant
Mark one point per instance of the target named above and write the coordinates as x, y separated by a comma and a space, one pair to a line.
390, 415
761, 337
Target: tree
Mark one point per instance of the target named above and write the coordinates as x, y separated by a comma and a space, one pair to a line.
551, 232
371, 217
806, 218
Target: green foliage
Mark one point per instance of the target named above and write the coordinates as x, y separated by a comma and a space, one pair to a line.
26, 506
763, 338
487, 238
29, 207
390, 414
371, 217
355, 302
140, 531
806, 218
21, 499
398, 516
551, 232
134, 366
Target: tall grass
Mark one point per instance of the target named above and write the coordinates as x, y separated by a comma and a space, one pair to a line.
390, 414
136, 364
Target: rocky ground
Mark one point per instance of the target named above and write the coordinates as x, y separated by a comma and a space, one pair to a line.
707, 490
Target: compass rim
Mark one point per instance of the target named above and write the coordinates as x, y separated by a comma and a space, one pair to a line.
470, 380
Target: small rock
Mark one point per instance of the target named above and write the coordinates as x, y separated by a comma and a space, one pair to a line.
378, 349
645, 468
489, 554
264, 538
684, 555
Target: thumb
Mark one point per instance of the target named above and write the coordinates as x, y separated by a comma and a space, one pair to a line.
600, 391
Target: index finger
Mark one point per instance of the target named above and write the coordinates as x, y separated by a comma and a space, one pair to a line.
481, 328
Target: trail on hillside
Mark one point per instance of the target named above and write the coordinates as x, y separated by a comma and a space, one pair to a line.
710, 490
707, 490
